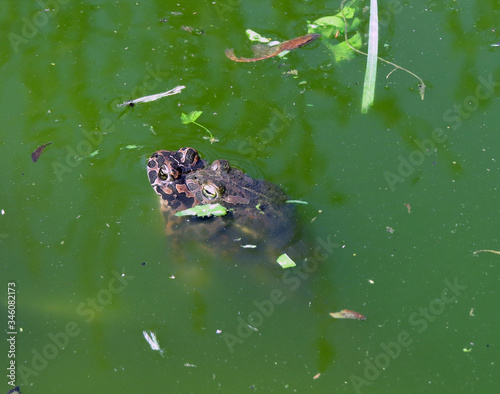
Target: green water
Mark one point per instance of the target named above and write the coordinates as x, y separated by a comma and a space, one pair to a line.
83, 238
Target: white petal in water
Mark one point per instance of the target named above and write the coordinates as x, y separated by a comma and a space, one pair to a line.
153, 341
248, 246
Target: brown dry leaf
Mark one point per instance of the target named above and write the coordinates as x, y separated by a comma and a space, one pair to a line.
347, 314
262, 52
38, 151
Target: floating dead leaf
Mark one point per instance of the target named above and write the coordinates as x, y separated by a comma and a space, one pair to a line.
486, 250
347, 314
408, 206
317, 376
38, 151
471, 312
390, 230
264, 51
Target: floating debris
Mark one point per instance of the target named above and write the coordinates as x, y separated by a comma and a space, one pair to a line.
390, 230
408, 206
296, 202
317, 376
204, 210
131, 147
153, 97
260, 50
153, 341
486, 250
471, 312
38, 151
285, 261
90, 155
347, 314
254, 36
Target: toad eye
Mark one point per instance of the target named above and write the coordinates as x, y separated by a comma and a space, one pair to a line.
163, 173
168, 174
211, 191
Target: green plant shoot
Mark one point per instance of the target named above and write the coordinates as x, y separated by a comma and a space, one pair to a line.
191, 118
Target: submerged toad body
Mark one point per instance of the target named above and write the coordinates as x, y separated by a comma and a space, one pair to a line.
257, 210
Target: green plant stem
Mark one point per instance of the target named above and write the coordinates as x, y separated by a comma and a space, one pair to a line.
204, 128
371, 60
421, 87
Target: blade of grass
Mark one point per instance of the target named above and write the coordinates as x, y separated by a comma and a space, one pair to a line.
421, 87
371, 62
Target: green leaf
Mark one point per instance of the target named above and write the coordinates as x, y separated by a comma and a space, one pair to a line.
342, 51
254, 36
333, 26
204, 211
285, 261
332, 21
190, 117
329, 25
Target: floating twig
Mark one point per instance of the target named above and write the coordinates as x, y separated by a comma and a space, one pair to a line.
153, 97
486, 250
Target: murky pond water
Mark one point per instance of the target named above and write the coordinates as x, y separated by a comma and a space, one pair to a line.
399, 199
